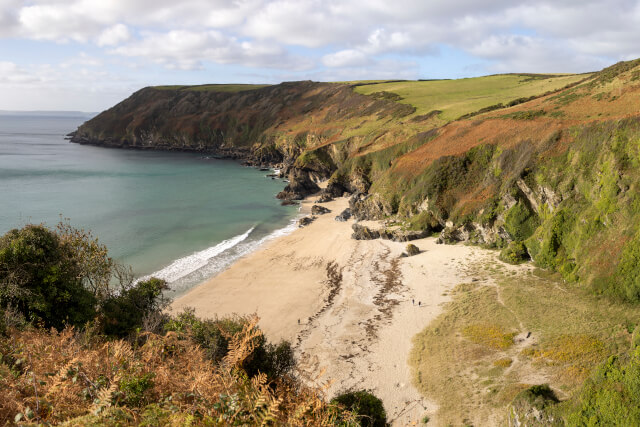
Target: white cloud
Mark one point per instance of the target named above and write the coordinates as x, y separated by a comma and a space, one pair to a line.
189, 49
321, 39
346, 58
12, 74
114, 35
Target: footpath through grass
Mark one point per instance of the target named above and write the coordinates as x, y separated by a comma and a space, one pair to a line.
513, 327
458, 97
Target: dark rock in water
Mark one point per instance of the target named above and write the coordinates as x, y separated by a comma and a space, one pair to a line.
264, 169
324, 197
344, 215
362, 232
302, 222
319, 210
288, 202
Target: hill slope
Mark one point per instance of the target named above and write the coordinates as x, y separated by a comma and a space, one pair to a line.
543, 166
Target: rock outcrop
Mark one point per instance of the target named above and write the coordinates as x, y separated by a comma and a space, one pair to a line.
362, 232
319, 210
306, 220
300, 186
344, 215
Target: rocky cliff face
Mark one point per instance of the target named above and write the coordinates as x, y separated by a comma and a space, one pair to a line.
554, 179
260, 126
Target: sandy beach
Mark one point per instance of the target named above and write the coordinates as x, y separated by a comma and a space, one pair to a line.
351, 308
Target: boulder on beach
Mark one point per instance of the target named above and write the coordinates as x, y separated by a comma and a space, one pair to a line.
344, 215
324, 198
319, 210
304, 221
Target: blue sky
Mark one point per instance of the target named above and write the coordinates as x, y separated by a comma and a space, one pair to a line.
90, 54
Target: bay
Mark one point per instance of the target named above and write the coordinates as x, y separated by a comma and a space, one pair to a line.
181, 216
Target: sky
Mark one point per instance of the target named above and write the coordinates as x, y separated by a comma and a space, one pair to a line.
87, 55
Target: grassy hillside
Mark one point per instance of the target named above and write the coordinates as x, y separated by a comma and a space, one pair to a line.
508, 330
455, 98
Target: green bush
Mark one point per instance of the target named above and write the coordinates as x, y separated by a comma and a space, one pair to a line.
211, 335
626, 279
123, 313
274, 360
612, 396
134, 390
367, 407
41, 276
539, 396
520, 222
515, 253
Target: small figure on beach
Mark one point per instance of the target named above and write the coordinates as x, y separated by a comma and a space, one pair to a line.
298, 321
413, 301
419, 303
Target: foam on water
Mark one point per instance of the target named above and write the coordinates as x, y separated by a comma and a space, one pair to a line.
186, 265
223, 259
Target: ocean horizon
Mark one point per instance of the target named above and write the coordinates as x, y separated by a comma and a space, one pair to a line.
182, 217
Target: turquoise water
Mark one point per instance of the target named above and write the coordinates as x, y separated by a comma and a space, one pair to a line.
179, 216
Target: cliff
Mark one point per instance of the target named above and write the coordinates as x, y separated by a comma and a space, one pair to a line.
540, 166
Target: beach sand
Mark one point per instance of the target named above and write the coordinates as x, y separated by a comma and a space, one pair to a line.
355, 324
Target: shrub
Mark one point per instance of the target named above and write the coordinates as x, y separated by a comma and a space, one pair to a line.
538, 396
515, 253
211, 335
520, 222
274, 360
367, 407
41, 276
612, 396
134, 389
121, 314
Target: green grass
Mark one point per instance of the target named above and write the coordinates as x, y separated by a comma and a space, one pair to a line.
212, 87
468, 361
458, 97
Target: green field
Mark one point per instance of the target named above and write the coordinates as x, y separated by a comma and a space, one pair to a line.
458, 97
212, 87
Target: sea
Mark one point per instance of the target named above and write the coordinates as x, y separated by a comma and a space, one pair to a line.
182, 217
